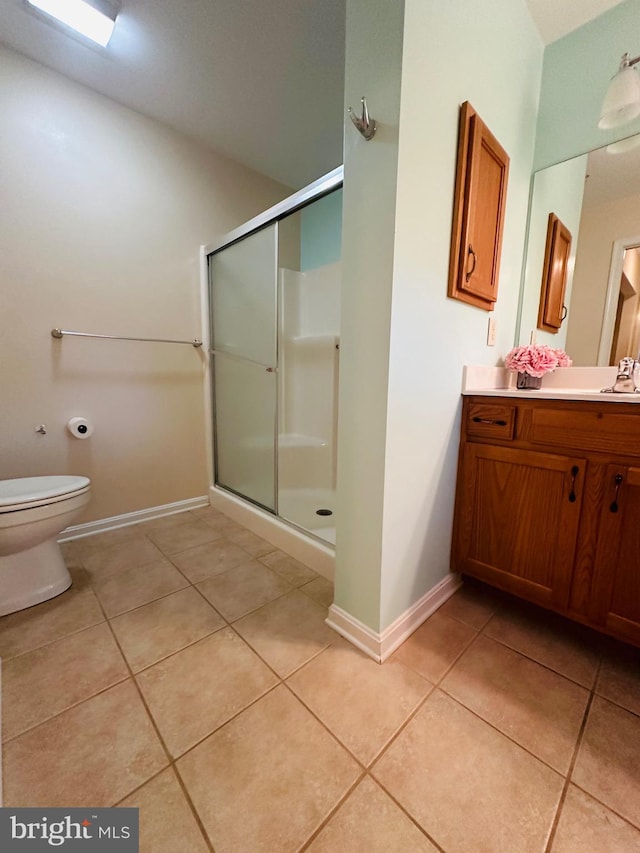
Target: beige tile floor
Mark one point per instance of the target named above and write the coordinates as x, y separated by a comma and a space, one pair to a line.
189, 672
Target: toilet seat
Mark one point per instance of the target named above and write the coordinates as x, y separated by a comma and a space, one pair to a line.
29, 492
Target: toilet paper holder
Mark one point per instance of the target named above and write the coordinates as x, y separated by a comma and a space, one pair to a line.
80, 427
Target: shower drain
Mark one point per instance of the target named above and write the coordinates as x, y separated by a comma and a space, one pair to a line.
324, 512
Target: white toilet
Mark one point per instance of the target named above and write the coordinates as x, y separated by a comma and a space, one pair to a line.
33, 511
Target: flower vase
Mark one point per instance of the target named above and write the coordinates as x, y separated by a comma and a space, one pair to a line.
526, 382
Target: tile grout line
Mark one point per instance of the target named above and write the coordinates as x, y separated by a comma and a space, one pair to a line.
504, 734
249, 612
77, 704
332, 812
492, 725
131, 675
535, 660
563, 795
173, 654
140, 606
161, 740
135, 683
371, 767
434, 687
399, 731
218, 728
6, 659
359, 762
593, 687
607, 807
191, 805
419, 706
173, 761
437, 686
282, 680
94, 587
403, 809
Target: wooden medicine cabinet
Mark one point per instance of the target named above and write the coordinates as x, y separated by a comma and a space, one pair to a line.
554, 276
478, 213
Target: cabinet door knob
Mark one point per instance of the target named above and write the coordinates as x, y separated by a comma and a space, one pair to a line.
470, 272
614, 503
572, 494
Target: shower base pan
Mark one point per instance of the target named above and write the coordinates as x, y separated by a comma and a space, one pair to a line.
286, 534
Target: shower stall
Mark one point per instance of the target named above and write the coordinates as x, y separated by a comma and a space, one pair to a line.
274, 298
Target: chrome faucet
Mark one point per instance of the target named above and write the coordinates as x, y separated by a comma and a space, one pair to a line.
626, 378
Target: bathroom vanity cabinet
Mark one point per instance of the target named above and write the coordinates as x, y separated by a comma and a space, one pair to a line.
548, 505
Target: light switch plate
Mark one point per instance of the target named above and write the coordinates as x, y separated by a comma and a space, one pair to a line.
491, 332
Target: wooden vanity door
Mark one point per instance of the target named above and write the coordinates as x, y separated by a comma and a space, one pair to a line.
616, 598
517, 520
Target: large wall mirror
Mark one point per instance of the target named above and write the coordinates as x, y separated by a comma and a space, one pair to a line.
597, 198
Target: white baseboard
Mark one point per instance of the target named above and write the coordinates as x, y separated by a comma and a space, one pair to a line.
411, 619
319, 557
358, 634
380, 646
77, 531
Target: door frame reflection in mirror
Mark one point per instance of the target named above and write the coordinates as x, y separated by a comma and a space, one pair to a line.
611, 301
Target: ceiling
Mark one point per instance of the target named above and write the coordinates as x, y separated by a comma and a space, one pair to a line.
556, 18
258, 80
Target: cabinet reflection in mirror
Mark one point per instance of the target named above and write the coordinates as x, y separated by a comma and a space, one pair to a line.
597, 197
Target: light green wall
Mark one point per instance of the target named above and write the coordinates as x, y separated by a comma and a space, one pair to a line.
372, 67
576, 74
490, 54
558, 189
321, 232
404, 342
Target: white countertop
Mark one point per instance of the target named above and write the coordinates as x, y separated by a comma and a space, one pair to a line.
564, 383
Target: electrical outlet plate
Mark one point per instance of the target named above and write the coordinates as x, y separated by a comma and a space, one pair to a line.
491, 332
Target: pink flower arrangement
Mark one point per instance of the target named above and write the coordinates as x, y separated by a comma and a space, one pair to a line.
536, 360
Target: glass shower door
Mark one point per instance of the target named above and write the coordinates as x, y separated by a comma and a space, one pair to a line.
243, 299
309, 260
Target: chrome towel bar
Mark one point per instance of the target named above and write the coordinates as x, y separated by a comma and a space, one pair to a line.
59, 333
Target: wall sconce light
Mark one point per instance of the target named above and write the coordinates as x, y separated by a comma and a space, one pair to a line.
622, 101
94, 19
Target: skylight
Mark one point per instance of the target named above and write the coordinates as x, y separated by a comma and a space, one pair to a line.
81, 16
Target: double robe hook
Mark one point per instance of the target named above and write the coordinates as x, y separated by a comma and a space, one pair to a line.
366, 126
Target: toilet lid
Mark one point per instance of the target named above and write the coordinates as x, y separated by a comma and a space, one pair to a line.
28, 490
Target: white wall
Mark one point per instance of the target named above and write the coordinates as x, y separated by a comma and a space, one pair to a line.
600, 227
103, 212
491, 55
308, 375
